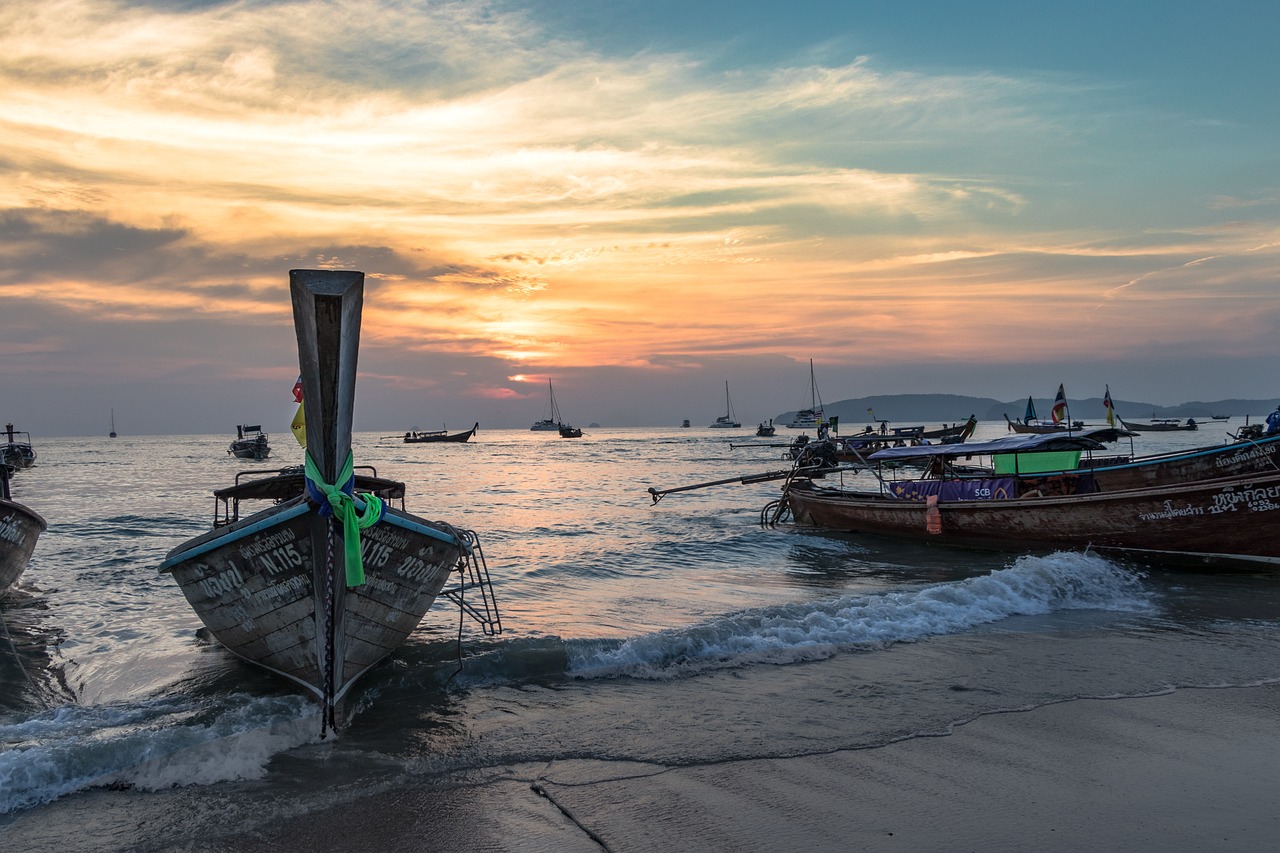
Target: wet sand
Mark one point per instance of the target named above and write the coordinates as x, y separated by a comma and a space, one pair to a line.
1194, 770
1198, 769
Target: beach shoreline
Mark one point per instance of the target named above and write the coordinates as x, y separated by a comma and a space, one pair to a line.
1189, 769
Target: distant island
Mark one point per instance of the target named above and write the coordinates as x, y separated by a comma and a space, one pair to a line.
955, 408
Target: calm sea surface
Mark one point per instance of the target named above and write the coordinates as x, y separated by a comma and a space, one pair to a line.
673, 633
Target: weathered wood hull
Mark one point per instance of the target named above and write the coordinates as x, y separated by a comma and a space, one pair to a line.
256, 450
19, 529
262, 587
1234, 520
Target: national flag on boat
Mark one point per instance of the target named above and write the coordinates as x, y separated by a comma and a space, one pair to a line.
299, 423
1111, 410
1059, 413
1029, 416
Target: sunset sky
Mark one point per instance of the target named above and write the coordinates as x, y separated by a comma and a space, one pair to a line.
640, 199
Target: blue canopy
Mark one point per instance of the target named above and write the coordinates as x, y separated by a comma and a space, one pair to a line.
1022, 443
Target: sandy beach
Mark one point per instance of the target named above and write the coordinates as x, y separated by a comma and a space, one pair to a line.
1194, 769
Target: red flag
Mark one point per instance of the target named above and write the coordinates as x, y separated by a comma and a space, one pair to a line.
297, 390
1106, 402
1059, 412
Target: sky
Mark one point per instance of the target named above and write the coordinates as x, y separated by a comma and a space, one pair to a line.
639, 200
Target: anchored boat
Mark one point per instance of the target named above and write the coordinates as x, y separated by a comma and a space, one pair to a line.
329, 580
250, 443
1212, 505
429, 436
16, 450
19, 529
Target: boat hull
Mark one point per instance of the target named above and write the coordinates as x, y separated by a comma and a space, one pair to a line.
1156, 427
1234, 520
255, 450
17, 456
442, 436
20, 527
261, 587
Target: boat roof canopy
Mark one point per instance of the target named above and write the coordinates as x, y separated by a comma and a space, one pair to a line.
1022, 443
289, 484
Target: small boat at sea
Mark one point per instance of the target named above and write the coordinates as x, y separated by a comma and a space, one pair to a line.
327, 581
1031, 424
112, 434
16, 451
727, 420
685, 423
766, 430
426, 437
812, 417
947, 433
250, 443
1160, 508
552, 422
20, 527
1160, 425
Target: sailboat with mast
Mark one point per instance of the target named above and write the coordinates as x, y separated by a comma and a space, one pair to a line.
112, 434
727, 420
552, 423
812, 417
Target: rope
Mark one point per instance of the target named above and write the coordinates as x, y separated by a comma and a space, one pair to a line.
342, 505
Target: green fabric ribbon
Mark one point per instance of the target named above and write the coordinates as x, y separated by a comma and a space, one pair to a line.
344, 509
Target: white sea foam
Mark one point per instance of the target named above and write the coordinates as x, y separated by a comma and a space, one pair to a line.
149, 745
814, 630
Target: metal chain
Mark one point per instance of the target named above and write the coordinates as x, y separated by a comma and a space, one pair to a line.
327, 715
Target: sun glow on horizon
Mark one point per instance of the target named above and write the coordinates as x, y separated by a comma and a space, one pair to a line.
521, 200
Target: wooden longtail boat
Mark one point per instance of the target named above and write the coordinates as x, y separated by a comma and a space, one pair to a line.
19, 529
16, 451
324, 584
1235, 520
1042, 427
251, 443
1172, 515
424, 437
1159, 425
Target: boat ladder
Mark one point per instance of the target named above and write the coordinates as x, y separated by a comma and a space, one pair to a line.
473, 575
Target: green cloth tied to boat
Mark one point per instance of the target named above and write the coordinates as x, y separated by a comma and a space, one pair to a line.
342, 502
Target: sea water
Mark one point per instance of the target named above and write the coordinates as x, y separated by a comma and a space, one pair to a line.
674, 633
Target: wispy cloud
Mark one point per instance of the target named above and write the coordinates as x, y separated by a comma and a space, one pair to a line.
519, 197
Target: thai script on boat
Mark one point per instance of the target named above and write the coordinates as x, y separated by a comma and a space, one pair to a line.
289, 587
11, 530
1257, 500
387, 535
418, 569
1171, 511
374, 584
1245, 456
221, 583
270, 542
